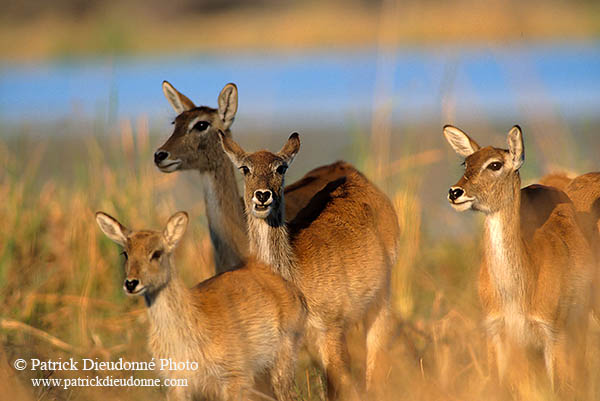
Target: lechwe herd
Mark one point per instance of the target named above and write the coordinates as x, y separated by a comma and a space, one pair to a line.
302, 264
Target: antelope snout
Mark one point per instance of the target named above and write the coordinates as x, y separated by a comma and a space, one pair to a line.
132, 286
159, 156
454, 193
263, 197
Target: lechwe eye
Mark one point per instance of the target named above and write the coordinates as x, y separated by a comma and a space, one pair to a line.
156, 255
495, 166
282, 169
201, 125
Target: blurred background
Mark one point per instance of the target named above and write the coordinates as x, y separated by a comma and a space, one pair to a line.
372, 82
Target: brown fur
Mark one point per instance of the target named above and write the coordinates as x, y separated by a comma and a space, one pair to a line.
535, 275
236, 325
202, 151
584, 191
340, 254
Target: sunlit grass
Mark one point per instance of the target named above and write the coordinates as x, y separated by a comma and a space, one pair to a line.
61, 279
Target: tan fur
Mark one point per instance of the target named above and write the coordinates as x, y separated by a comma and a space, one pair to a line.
202, 151
236, 325
536, 272
339, 250
584, 191
558, 180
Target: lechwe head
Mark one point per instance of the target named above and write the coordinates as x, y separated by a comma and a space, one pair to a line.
194, 143
535, 276
264, 174
147, 265
218, 336
491, 174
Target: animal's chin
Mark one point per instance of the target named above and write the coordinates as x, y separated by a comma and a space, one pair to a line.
136, 292
261, 211
462, 206
169, 166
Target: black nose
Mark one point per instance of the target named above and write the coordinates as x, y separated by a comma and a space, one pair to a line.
160, 155
131, 284
262, 196
455, 193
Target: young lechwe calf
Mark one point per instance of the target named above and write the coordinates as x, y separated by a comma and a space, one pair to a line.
194, 145
235, 326
535, 276
340, 255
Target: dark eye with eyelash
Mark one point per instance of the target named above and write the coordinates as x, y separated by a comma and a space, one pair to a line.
156, 255
125, 254
245, 170
201, 125
495, 166
282, 169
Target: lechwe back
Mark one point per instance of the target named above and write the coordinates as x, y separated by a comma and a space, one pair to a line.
340, 254
535, 274
235, 325
584, 191
194, 145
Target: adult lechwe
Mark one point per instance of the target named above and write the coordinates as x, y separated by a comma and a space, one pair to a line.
536, 271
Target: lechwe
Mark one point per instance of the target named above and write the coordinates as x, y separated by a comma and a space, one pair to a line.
340, 254
535, 276
234, 326
194, 145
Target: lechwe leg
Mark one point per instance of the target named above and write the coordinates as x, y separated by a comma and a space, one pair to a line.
333, 350
378, 329
282, 374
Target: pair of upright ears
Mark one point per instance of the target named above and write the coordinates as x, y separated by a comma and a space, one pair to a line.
465, 146
228, 101
117, 232
238, 155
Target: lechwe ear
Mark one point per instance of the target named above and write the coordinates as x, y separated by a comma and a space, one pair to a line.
515, 147
175, 229
179, 102
112, 228
460, 141
232, 149
228, 104
290, 149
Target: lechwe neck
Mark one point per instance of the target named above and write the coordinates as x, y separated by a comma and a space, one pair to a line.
270, 242
225, 215
173, 321
504, 251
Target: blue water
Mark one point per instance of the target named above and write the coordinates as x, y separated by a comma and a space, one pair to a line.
320, 87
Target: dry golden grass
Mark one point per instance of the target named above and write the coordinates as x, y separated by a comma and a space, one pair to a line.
61, 279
